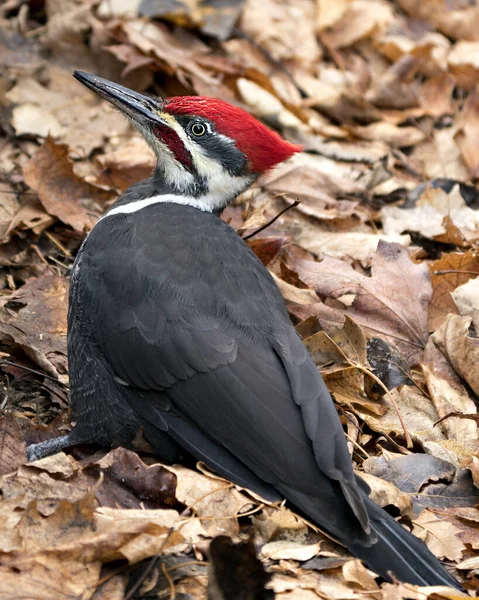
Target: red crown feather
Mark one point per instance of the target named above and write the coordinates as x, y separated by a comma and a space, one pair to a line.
263, 148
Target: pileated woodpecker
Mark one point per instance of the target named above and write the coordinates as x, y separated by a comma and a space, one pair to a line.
175, 326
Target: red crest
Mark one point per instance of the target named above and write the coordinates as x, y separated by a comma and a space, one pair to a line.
264, 148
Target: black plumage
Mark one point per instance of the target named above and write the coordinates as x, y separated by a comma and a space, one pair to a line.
176, 327
179, 327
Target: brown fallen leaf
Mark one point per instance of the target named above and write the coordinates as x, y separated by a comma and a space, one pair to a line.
319, 194
359, 22
175, 51
355, 572
286, 31
466, 299
130, 483
385, 493
62, 193
463, 63
389, 133
131, 162
448, 273
330, 13
289, 550
453, 339
274, 523
391, 304
12, 445
449, 396
37, 321
349, 245
418, 415
439, 535
427, 217
215, 501
267, 248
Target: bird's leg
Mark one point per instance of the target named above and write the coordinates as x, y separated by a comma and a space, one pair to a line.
38, 451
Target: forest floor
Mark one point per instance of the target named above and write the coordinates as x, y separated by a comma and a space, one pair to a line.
378, 263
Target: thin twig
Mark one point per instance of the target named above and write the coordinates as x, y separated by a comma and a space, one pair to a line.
12, 364
449, 271
202, 563
269, 223
144, 575
409, 443
169, 580
38, 252
356, 445
7, 390
58, 244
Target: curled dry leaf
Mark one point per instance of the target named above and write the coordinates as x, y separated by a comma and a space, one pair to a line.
215, 501
448, 273
359, 22
131, 162
386, 493
130, 483
355, 572
319, 194
331, 12
466, 298
417, 411
462, 350
289, 550
449, 395
427, 480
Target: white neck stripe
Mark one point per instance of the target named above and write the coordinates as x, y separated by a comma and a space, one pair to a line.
136, 205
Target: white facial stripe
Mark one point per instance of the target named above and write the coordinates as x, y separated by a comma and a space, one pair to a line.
222, 186
137, 205
175, 173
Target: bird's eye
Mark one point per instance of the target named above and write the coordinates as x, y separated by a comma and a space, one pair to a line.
198, 129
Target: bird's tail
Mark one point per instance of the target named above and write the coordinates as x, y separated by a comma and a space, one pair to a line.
400, 553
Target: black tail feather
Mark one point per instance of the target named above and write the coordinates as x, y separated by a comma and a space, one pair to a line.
400, 553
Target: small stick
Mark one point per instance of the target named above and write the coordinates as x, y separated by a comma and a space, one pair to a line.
449, 271
57, 243
269, 223
169, 580
12, 364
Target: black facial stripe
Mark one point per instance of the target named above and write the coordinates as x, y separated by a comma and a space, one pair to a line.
219, 149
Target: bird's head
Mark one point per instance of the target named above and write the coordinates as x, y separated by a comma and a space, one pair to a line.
206, 148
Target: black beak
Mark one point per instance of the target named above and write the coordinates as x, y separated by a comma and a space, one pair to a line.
142, 109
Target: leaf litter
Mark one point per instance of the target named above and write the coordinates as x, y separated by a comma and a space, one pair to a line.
377, 260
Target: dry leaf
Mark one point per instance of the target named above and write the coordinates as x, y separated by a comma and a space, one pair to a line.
385, 493
453, 339
427, 217
466, 298
215, 500
390, 304
439, 535
39, 323
61, 192
288, 549
448, 273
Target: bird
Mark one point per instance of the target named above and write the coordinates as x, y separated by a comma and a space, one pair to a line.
177, 329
